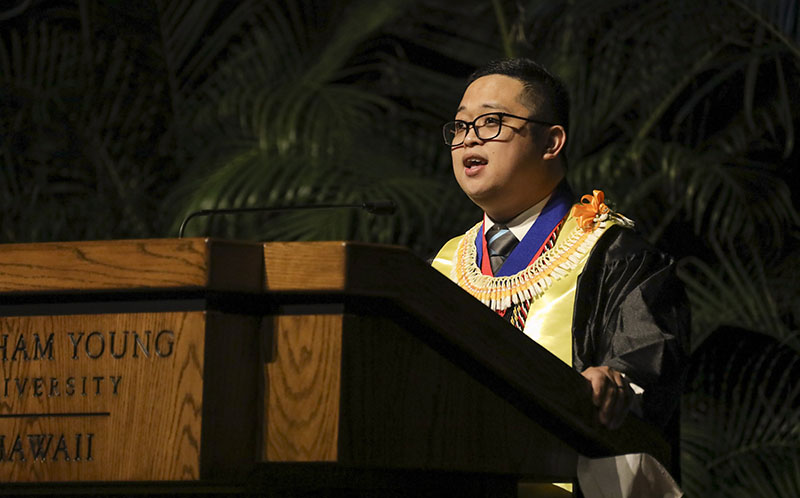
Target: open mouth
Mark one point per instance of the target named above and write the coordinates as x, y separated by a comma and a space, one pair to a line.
474, 162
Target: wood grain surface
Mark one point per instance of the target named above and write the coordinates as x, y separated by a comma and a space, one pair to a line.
302, 382
131, 264
306, 266
141, 401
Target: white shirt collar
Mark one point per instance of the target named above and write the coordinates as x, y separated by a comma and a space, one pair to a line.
521, 223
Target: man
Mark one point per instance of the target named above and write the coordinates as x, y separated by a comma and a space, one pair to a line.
576, 278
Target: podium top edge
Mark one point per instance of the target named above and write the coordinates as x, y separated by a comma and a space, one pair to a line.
195, 263
134, 264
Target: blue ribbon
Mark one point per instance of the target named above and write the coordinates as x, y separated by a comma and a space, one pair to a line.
554, 211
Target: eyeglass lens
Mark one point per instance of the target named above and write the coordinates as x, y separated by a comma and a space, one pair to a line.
486, 127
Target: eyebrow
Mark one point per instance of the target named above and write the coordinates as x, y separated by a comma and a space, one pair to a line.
489, 105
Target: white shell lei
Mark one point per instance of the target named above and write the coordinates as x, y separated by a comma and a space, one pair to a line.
499, 293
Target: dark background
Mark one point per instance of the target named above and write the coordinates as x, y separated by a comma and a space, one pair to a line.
119, 117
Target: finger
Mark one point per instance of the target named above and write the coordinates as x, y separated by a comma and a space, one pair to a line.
609, 402
616, 407
620, 408
599, 390
624, 405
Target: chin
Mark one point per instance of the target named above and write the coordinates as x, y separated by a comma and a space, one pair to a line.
480, 200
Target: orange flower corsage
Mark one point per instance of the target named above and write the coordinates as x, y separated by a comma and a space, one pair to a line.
590, 210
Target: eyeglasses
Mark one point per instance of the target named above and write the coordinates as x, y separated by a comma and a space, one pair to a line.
487, 126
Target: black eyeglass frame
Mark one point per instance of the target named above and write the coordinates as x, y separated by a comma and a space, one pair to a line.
502, 115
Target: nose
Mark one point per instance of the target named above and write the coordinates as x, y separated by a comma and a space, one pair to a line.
472, 138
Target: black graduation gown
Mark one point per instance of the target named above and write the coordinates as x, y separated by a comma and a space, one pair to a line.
631, 314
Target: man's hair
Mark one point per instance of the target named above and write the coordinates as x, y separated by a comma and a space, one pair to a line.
543, 93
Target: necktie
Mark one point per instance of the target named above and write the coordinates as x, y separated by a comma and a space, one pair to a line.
499, 242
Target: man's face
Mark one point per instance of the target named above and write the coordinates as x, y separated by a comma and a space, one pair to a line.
507, 174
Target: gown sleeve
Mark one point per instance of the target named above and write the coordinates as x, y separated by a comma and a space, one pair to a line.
631, 314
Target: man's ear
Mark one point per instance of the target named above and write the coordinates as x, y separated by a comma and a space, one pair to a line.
556, 139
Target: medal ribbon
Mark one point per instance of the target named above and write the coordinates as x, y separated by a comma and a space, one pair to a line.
554, 211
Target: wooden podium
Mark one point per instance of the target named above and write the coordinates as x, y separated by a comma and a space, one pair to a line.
194, 365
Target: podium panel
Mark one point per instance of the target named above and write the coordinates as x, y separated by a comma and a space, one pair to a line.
302, 379
103, 397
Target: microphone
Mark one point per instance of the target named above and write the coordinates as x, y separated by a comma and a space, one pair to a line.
381, 207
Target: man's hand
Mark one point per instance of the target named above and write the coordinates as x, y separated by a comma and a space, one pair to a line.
611, 394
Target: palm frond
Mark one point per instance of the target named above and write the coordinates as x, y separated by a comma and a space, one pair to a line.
437, 33
734, 294
194, 35
741, 419
780, 17
303, 134
78, 135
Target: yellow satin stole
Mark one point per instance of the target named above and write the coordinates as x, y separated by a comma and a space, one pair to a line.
549, 319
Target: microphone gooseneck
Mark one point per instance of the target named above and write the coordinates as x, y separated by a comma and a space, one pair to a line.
379, 207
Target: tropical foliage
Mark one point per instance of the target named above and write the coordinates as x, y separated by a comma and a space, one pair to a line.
118, 118
741, 415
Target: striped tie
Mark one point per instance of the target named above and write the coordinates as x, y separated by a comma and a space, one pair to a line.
500, 242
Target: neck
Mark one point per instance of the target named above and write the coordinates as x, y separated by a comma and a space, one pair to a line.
506, 212
506, 215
